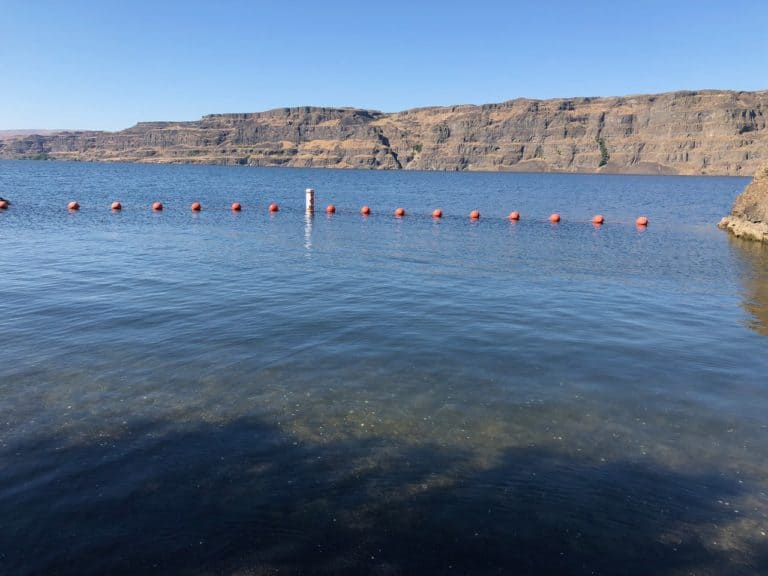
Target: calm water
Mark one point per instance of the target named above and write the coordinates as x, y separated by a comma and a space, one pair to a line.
222, 393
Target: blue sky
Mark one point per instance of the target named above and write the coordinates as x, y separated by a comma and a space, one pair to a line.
108, 64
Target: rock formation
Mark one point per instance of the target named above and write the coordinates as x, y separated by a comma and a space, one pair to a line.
707, 132
749, 216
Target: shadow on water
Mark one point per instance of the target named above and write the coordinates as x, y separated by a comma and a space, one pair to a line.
245, 498
754, 256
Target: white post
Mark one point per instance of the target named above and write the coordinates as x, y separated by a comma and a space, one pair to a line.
310, 199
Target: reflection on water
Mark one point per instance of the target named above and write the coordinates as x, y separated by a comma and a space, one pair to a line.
309, 216
754, 256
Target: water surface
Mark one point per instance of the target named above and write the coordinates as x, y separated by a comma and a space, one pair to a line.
255, 394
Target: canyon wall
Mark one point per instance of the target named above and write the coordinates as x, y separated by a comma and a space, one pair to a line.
705, 132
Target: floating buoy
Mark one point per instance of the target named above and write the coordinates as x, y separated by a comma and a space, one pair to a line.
274, 207
157, 206
196, 207
73, 206
400, 212
514, 215
437, 213
3, 204
554, 217
598, 219
365, 210
236, 207
642, 221
117, 206
331, 209
474, 215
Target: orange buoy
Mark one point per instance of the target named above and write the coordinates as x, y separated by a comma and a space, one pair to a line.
157, 206
642, 221
365, 210
400, 212
514, 215
117, 206
331, 209
474, 215
196, 207
274, 207
554, 217
236, 207
3, 204
437, 213
598, 219
73, 205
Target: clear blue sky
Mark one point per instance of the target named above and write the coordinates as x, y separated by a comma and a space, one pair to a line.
110, 63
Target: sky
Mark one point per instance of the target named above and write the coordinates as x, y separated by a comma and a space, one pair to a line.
107, 64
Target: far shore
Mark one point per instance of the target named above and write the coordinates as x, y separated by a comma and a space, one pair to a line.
156, 162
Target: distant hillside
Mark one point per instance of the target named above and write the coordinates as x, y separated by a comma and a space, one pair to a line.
9, 134
706, 132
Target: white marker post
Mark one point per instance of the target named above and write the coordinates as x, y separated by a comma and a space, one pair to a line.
310, 199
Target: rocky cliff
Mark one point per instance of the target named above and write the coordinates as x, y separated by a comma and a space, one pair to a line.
749, 216
707, 132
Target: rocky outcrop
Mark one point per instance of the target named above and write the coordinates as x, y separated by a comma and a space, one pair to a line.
707, 132
749, 216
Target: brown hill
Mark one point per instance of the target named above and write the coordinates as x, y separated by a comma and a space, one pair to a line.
11, 134
707, 132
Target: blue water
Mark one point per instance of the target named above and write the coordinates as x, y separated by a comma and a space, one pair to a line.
246, 393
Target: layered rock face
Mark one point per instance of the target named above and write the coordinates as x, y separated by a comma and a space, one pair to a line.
708, 132
749, 216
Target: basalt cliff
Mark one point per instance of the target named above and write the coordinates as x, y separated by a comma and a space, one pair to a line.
749, 216
705, 132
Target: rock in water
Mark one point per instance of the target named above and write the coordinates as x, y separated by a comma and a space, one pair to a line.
749, 216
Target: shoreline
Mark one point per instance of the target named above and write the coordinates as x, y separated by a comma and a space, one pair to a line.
380, 169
